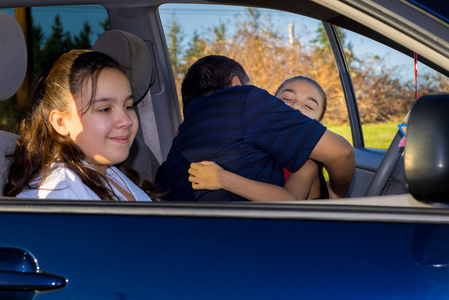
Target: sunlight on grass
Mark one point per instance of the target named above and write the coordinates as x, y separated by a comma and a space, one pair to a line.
375, 135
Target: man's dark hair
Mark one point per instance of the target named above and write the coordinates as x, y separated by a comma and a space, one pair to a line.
210, 74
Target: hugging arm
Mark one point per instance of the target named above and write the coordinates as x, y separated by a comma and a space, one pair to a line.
209, 175
338, 157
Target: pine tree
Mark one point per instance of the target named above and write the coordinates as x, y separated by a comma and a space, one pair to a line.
106, 24
82, 41
174, 45
37, 38
55, 45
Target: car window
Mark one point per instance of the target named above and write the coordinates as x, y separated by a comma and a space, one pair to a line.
271, 45
274, 45
384, 83
54, 30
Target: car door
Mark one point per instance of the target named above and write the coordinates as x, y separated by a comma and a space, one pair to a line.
173, 251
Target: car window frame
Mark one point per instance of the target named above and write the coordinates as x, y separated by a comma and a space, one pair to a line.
347, 85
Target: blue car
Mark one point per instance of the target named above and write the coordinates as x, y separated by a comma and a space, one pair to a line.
389, 239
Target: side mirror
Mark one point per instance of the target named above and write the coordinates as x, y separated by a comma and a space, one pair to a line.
427, 149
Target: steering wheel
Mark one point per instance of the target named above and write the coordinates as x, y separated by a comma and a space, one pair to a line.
386, 167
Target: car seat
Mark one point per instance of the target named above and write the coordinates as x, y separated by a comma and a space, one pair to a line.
132, 52
13, 65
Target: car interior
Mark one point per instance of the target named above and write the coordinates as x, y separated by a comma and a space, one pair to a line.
13, 61
137, 42
132, 52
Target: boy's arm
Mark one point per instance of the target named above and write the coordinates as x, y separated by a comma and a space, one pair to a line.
338, 157
209, 175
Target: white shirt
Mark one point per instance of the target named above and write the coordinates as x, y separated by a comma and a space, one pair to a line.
63, 183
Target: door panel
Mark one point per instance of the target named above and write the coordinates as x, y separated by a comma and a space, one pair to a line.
151, 257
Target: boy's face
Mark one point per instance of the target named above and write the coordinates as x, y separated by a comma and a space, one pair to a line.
303, 96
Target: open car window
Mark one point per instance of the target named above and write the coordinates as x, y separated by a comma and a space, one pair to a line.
386, 86
271, 45
274, 45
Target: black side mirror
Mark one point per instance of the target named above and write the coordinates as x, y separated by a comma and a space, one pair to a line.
427, 149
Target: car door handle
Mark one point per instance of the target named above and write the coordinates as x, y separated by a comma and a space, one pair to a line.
26, 281
21, 278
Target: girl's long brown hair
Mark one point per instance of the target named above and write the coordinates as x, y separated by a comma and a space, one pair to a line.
39, 145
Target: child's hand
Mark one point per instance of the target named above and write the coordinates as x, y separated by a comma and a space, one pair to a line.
205, 175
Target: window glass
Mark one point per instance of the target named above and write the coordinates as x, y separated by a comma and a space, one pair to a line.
271, 45
54, 30
384, 83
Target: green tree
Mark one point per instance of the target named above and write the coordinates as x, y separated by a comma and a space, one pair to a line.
175, 37
106, 24
57, 43
323, 41
37, 38
196, 49
82, 40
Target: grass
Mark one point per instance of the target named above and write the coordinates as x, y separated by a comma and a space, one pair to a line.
375, 135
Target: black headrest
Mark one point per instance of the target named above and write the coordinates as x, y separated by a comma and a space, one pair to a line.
13, 56
427, 149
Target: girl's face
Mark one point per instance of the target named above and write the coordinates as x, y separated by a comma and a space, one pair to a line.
107, 129
303, 96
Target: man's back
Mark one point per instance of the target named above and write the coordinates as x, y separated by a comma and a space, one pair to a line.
243, 129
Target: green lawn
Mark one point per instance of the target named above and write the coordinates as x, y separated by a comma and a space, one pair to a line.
375, 135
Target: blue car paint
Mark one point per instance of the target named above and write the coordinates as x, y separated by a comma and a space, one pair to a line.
148, 257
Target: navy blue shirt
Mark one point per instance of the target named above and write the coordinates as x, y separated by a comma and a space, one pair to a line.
243, 129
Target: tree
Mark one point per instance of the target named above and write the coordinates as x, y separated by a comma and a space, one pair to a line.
82, 41
57, 43
196, 49
37, 38
106, 24
175, 49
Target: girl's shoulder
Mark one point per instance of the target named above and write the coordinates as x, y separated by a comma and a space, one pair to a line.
61, 183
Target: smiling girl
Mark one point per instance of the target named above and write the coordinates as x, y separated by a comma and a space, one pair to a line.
75, 141
301, 93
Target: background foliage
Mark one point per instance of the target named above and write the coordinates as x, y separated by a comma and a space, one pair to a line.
270, 58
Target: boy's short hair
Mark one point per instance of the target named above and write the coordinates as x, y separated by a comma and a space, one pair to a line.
210, 74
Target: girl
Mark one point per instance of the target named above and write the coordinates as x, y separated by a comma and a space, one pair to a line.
306, 95
82, 123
